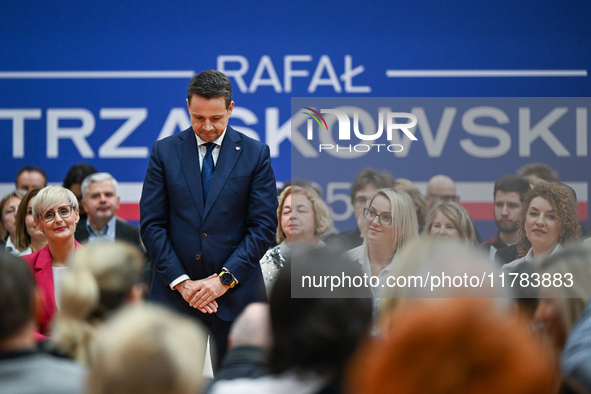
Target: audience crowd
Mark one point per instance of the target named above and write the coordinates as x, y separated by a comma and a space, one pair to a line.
75, 318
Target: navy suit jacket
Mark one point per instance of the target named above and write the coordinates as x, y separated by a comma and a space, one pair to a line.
123, 232
233, 229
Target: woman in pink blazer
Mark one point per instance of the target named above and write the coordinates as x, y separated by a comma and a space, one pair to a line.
56, 213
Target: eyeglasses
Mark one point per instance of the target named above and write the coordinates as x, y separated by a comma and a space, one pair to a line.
49, 215
444, 197
370, 214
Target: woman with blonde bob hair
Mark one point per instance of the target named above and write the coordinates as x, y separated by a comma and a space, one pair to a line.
55, 211
102, 278
450, 219
391, 222
302, 217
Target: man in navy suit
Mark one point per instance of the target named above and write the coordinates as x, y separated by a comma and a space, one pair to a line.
208, 212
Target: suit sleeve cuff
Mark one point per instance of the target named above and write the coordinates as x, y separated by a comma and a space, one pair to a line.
178, 280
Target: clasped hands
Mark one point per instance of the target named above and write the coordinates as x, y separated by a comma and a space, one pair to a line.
202, 294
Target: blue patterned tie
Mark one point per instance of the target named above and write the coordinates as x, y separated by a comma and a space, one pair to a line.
207, 171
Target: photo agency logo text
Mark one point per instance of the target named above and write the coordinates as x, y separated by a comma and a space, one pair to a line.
387, 120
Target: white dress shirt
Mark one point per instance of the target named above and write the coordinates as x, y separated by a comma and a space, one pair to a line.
215, 153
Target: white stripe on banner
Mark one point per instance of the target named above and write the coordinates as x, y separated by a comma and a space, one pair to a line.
95, 74
130, 192
483, 73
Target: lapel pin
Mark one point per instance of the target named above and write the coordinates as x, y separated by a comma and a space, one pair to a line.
237, 148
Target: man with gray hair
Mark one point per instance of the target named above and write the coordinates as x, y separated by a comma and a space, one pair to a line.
100, 199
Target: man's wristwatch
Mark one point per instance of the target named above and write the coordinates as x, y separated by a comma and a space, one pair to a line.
227, 278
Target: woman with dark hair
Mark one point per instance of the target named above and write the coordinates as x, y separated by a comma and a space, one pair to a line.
28, 237
549, 219
73, 181
55, 210
8, 207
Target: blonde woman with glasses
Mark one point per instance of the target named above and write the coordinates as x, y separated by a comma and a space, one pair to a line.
390, 222
55, 210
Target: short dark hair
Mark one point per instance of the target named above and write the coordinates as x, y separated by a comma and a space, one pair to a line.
17, 290
540, 170
30, 169
77, 173
210, 84
369, 176
316, 334
511, 183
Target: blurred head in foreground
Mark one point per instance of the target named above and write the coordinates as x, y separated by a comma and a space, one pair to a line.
561, 305
147, 349
317, 335
103, 277
455, 346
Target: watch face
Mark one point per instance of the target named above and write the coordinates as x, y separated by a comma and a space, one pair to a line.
227, 278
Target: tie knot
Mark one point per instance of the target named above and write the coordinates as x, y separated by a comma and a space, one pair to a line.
209, 146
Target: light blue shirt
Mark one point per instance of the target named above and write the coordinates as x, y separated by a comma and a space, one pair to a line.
107, 233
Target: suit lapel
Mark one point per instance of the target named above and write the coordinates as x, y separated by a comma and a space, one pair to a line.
189, 159
229, 153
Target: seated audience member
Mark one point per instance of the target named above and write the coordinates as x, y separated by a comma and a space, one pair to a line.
55, 210
8, 207
453, 346
365, 185
22, 369
147, 349
440, 188
417, 198
508, 199
548, 220
248, 343
101, 279
576, 354
73, 181
451, 220
28, 237
100, 200
538, 171
390, 222
561, 304
436, 258
312, 338
30, 177
302, 218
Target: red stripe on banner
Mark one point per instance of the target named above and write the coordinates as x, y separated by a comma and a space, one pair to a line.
485, 210
129, 212
478, 210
